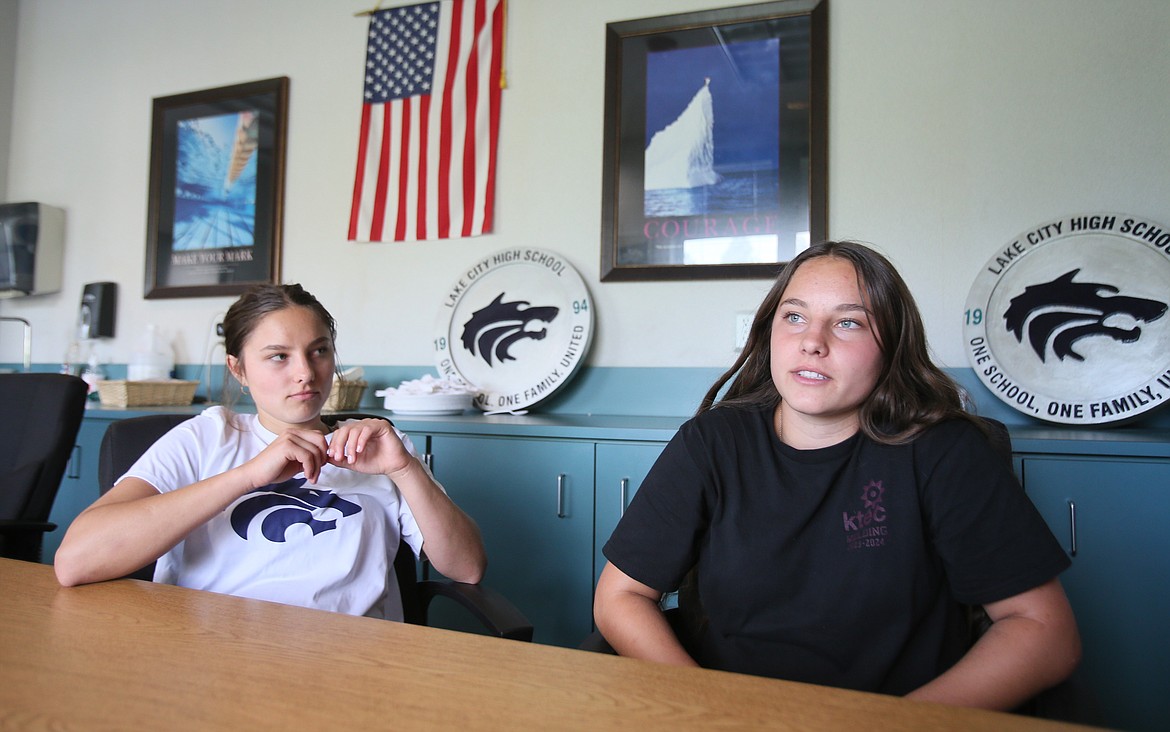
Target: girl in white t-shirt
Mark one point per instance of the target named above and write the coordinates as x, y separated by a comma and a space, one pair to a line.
275, 505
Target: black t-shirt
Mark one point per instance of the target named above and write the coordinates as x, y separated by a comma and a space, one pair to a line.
843, 566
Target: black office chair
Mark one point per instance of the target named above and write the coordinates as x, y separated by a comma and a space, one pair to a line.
126, 440
41, 416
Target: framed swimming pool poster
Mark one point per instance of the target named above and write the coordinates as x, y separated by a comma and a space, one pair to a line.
715, 141
214, 206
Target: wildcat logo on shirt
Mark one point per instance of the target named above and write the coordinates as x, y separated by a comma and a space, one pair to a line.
866, 528
286, 504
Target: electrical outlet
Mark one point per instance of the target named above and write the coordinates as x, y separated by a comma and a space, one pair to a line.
743, 324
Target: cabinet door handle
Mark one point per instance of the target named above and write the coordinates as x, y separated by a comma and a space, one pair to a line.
1072, 528
561, 496
428, 459
74, 471
624, 494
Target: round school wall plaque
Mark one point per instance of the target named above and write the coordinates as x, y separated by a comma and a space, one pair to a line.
517, 325
1068, 323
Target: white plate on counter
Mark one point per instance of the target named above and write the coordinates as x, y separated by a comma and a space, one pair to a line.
427, 404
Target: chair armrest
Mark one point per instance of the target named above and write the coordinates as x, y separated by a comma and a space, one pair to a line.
595, 642
489, 607
20, 539
16, 527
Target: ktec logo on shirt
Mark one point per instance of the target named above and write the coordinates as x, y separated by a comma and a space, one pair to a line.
285, 504
866, 528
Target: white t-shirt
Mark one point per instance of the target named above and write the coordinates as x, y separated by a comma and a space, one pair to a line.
329, 546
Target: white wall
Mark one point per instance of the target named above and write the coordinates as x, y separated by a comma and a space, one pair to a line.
954, 126
8, 13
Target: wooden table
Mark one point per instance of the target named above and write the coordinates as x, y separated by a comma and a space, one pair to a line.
137, 655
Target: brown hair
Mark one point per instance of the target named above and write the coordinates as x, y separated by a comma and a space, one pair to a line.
262, 300
911, 394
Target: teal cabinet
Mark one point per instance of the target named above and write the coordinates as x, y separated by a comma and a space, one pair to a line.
79, 487
621, 466
533, 501
1111, 516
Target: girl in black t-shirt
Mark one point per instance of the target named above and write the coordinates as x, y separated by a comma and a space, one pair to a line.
835, 510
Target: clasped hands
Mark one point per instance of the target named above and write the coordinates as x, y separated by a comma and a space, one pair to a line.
368, 446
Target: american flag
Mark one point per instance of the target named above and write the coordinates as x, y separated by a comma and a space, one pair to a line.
426, 163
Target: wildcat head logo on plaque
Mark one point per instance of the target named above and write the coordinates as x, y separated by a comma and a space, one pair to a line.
1068, 323
517, 325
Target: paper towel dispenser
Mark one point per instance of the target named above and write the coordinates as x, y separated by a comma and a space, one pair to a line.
32, 242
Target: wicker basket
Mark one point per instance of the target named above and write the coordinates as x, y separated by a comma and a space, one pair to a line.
345, 395
122, 393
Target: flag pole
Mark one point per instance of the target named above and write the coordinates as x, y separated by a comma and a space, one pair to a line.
503, 44
371, 11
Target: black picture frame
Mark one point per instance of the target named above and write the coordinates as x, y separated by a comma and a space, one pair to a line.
733, 182
216, 195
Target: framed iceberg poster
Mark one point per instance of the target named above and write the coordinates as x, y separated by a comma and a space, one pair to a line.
214, 206
715, 141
